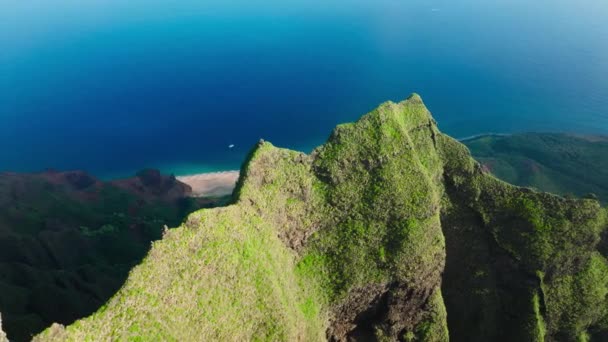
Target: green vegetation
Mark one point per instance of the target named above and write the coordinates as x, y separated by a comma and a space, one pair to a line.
534, 239
558, 163
66, 249
389, 231
187, 298
574, 302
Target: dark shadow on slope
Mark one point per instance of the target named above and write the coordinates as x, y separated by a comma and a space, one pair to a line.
68, 241
485, 291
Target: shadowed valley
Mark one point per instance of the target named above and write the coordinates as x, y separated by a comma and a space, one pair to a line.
68, 240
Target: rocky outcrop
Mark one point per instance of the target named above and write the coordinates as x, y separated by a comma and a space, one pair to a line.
389, 231
150, 184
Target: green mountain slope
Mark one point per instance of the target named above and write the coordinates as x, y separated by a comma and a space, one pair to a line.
389, 231
558, 163
68, 241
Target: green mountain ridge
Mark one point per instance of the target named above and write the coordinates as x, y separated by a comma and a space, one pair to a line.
389, 231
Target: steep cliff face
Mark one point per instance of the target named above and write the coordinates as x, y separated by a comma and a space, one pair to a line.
389, 231
521, 265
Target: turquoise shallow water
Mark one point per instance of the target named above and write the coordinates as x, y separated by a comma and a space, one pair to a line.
111, 87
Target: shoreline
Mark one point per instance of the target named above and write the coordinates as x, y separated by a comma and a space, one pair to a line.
481, 135
211, 184
206, 173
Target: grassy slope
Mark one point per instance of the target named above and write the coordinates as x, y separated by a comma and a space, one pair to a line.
355, 229
558, 163
64, 252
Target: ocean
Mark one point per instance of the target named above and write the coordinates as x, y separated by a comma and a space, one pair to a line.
114, 86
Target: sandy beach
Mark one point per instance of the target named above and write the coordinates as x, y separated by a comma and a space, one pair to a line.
211, 184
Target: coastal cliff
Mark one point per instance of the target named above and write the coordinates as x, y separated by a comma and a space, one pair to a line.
389, 231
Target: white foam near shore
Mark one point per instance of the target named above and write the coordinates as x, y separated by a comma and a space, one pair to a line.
211, 184
477, 136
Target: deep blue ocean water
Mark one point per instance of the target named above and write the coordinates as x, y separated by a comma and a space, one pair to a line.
114, 86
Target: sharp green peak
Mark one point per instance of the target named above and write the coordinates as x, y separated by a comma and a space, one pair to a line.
388, 231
